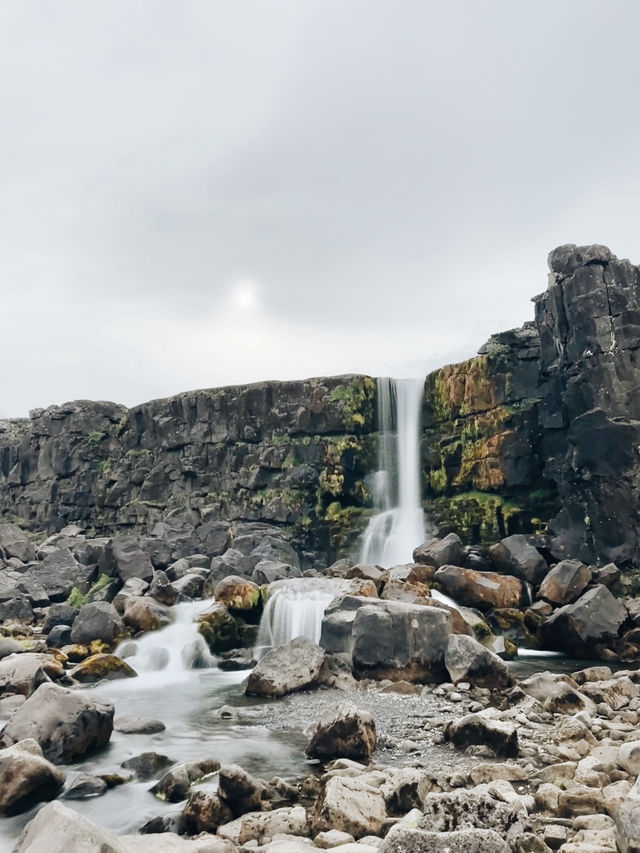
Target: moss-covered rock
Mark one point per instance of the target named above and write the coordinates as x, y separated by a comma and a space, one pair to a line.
101, 666
219, 629
237, 594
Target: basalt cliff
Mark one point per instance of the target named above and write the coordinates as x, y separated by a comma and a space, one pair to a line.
538, 434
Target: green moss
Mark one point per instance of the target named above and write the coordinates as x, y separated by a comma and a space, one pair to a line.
96, 437
102, 468
356, 400
122, 425
77, 598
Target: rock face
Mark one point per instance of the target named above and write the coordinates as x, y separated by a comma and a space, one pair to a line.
66, 724
281, 453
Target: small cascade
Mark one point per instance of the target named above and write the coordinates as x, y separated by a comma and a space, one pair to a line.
174, 649
398, 526
295, 608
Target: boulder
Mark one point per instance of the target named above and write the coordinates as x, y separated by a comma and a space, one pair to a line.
16, 610
440, 552
462, 809
405, 788
349, 805
143, 614
84, 786
345, 733
564, 699
147, 765
130, 560
58, 573
467, 660
400, 641
403, 840
368, 573
14, 542
542, 684
57, 827
293, 666
59, 614
219, 629
596, 617
204, 812
162, 589
237, 594
174, 785
259, 826
515, 556
101, 666
97, 621
483, 590
26, 776
240, 791
485, 730
269, 571
67, 724
136, 724
565, 582
21, 673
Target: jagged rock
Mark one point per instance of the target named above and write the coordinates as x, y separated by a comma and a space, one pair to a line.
237, 594
130, 560
461, 809
440, 552
269, 571
162, 589
483, 590
219, 629
515, 556
174, 785
403, 840
59, 636
400, 641
58, 573
258, 826
564, 699
350, 805
59, 614
617, 693
14, 542
240, 791
204, 813
346, 733
101, 666
542, 684
566, 259
16, 610
97, 621
26, 776
21, 673
485, 730
405, 789
65, 723
143, 614
595, 617
369, 573
565, 582
467, 660
293, 666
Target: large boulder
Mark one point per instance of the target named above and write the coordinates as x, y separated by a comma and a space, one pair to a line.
484, 590
293, 666
101, 666
97, 621
515, 556
143, 614
460, 809
596, 617
397, 640
174, 785
130, 560
58, 573
67, 724
219, 629
204, 812
350, 805
237, 594
26, 776
483, 729
345, 733
440, 552
565, 582
467, 660
259, 826
239, 790
14, 542
268, 571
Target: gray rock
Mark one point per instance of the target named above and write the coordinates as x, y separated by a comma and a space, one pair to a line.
26, 777
162, 589
204, 812
515, 556
565, 582
97, 621
21, 673
59, 614
345, 733
85, 787
483, 729
596, 617
67, 724
147, 765
174, 785
130, 560
467, 660
59, 636
58, 573
349, 805
14, 542
440, 552
462, 809
293, 666
565, 260
16, 610
268, 571
240, 791
131, 724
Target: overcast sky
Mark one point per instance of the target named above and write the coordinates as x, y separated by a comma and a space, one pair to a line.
197, 192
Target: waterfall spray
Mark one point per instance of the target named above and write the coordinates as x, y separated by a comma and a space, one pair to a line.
398, 526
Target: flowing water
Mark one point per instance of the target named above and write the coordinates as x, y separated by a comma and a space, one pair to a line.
398, 526
295, 609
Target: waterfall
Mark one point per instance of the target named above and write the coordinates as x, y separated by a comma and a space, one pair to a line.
295, 608
398, 526
174, 649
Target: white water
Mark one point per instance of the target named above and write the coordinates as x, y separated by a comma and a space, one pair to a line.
398, 526
172, 651
295, 608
